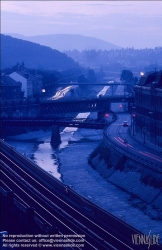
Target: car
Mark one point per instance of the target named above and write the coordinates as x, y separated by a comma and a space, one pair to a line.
125, 123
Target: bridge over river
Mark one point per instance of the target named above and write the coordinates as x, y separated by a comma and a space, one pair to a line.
42, 113
30, 108
61, 121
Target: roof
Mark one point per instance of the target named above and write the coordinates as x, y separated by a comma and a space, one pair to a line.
159, 79
8, 81
17, 77
151, 78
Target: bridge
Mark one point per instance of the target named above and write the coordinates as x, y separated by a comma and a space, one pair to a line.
47, 108
85, 105
61, 121
55, 122
110, 82
57, 209
43, 112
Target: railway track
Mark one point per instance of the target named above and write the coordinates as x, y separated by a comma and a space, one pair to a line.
101, 230
56, 211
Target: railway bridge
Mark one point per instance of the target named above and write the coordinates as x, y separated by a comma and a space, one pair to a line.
49, 108
55, 123
45, 113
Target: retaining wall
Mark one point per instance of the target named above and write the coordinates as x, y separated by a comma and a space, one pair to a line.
129, 175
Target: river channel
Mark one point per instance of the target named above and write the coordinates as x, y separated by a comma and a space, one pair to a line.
69, 163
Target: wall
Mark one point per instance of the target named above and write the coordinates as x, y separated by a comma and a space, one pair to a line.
138, 180
23, 80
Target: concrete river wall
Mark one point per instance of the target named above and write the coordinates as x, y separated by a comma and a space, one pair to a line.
144, 184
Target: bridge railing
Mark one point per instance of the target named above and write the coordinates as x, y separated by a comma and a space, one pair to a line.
25, 101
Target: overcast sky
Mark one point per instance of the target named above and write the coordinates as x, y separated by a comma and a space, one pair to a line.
135, 24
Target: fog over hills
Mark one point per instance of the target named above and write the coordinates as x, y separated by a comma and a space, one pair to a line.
36, 56
64, 42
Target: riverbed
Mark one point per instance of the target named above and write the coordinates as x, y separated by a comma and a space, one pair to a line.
69, 163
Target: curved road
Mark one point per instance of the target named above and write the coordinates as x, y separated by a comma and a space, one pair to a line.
117, 134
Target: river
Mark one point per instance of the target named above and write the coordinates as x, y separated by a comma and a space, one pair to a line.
69, 163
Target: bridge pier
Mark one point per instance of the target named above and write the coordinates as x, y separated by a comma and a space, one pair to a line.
55, 137
103, 114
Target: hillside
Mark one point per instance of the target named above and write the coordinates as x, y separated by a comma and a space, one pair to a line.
36, 56
116, 60
63, 42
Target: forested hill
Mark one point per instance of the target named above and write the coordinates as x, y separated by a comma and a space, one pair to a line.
63, 42
36, 56
116, 60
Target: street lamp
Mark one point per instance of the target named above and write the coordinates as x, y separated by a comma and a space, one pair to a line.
43, 93
133, 117
144, 129
151, 116
142, 73
141, 123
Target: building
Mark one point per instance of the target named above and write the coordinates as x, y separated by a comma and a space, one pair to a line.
31, 83
10, 89
23, 80
147, 116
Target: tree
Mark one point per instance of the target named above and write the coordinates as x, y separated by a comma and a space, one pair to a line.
91, 77
126, 76
100, 74
82, 79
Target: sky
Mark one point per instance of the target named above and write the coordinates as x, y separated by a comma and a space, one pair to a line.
128, 23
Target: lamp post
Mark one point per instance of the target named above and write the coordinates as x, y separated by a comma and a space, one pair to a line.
155, 124
151, 116
141, 124
133, 117
144, 129
43, 93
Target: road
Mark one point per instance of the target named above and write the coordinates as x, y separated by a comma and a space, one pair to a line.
118, 134
60, 93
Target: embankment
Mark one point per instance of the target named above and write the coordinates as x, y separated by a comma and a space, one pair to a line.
143, 184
